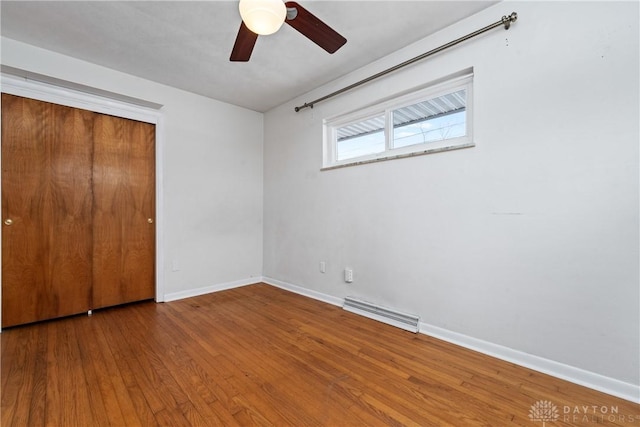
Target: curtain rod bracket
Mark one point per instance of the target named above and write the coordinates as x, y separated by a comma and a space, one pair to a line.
506, 21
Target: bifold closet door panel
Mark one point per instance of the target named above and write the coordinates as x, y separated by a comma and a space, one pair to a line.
46, 210
123, 211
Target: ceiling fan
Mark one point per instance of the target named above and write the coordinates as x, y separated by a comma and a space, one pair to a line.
263, 17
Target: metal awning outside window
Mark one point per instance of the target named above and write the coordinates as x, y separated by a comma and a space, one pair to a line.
422, 111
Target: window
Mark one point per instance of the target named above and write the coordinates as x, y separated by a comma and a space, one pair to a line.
434, 119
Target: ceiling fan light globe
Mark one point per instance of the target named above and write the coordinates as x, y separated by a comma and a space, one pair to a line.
263, 17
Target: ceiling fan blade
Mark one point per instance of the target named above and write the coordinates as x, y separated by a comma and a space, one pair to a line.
242, 48
313, 28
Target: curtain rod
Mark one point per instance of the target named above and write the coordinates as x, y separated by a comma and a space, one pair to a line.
506, 21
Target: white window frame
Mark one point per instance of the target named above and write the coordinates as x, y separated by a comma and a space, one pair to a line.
385, 108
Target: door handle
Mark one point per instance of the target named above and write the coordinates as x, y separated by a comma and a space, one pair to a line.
150, 220
8, 221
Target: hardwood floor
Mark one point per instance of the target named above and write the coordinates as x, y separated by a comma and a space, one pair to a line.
258, 355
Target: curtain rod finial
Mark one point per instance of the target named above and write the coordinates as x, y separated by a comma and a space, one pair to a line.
507, 20
305, 105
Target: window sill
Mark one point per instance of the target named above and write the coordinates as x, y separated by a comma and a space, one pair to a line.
400, 156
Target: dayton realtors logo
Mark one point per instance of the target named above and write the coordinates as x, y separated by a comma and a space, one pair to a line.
545, 411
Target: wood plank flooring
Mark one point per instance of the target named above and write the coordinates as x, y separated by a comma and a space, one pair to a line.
258, 355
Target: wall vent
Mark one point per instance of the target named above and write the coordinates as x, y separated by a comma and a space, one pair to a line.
404, 321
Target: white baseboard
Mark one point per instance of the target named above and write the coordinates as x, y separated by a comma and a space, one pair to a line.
210, 289
569, 373
329, 299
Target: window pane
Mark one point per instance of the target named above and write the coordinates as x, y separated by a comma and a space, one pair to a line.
361, 138
429, 120
436, 119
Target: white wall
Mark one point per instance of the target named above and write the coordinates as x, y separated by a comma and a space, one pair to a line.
528, 240
212, 173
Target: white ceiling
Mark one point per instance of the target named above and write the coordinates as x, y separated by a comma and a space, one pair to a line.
186, 44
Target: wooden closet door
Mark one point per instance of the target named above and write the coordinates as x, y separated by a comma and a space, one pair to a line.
46, 210
123, 211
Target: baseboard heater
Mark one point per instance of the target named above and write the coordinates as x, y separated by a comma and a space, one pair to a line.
395, 318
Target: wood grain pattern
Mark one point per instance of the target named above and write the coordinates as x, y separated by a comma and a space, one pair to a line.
46, 192
258, 355
315, 29
123, 202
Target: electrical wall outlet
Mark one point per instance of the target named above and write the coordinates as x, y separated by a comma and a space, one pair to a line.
323, 267
348, 275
